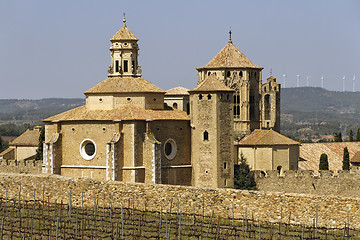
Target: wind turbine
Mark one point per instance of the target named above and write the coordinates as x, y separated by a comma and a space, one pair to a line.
354, 83
298, 80
322, 81
284, 77
343, 83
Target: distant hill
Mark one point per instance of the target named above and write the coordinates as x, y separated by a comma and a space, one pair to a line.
308, 112
32, 111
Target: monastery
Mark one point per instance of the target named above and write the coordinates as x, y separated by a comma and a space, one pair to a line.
131, 130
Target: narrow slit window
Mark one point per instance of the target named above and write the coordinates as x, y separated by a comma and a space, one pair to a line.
126, 67
206, 136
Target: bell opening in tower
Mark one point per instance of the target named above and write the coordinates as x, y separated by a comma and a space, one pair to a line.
126, 67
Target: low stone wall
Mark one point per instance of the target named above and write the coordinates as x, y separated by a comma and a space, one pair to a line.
340, 183
296, 208
20, 166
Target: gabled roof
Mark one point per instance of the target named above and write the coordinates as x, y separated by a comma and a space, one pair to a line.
356, 158
124, 34
266, 137
230, 57
28, 138
212, 84
128, 112
124, 85
177, 91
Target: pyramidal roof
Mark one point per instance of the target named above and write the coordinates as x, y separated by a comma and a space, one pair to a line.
266, 137
230, 57
124, 34
212, 84
177, 91
124, 85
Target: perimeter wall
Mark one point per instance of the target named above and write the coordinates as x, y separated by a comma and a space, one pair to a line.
300, 208
338, 183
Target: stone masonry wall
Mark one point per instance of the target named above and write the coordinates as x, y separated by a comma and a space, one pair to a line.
342, 183
301, 208
20, 166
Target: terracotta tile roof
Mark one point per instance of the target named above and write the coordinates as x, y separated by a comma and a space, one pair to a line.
230, 57
124, 85
28, 138
311, 152
212, 84
124, 34
356, 158
177, 91
266, 137
129, 112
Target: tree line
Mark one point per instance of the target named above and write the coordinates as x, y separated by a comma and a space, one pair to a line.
338, 136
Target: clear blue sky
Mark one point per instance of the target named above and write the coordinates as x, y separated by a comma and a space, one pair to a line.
61, 48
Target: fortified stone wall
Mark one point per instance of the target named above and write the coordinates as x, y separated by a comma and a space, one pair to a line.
20, 166
300, 208
341, 183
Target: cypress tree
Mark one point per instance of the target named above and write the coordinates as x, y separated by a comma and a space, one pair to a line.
243, 177
358, 135
39, 150
337, 137
324, 164
351, 136
2, 144
346, 160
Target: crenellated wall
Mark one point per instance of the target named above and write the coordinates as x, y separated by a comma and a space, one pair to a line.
20, 166
340, 183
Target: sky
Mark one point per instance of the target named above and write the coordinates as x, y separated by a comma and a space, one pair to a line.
61, 48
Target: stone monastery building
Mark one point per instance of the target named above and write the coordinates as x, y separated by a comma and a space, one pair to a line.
131, 130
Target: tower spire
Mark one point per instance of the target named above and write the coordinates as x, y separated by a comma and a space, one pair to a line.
124, 20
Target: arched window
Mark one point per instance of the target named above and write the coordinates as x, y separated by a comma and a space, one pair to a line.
241, 73
228, 74
200, 96
206, 135
175, 105
209, 96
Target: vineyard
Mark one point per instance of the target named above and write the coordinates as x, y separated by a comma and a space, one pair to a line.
41, 219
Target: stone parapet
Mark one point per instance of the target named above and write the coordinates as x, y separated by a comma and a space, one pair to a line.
337, 183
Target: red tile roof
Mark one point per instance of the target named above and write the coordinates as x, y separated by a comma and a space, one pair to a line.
266, 137
128, 112
125, 85
230, 57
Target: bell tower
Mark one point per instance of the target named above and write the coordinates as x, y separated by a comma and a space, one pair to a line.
124, 54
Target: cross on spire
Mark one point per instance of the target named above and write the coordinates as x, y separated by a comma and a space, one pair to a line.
230, 35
